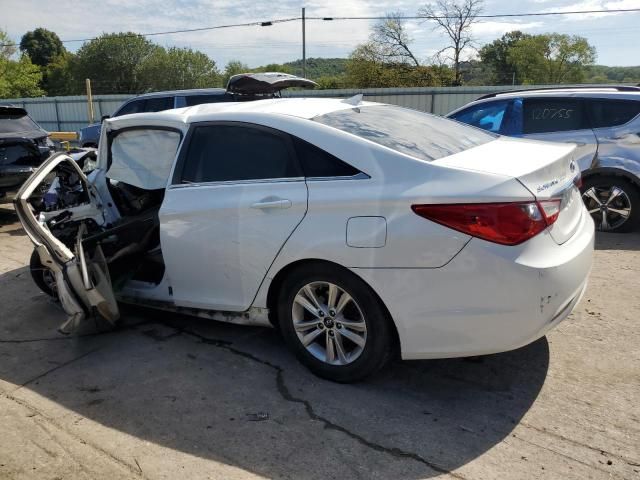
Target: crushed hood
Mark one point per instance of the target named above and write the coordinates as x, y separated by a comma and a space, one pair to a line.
266, 83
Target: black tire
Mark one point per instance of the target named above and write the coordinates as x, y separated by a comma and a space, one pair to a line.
379, 334
600, 186
39, 274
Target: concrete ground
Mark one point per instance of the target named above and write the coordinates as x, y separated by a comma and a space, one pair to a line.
172, 397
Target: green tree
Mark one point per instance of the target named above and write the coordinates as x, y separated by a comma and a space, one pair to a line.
366, 68
178, 68
232, 68
113, 61
7, 47
42, 46
19, 78
494, 58
551, 58
58, 77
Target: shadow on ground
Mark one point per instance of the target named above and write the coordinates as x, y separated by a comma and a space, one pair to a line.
235, 395
617, 241
7, 215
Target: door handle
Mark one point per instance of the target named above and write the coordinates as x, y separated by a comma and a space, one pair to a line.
271, 202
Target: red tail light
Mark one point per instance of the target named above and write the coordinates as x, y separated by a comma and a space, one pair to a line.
504, 223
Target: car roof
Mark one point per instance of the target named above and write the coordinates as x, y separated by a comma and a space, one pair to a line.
608, 92
183, 93
305, 108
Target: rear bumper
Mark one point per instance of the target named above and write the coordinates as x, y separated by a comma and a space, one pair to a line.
489, 298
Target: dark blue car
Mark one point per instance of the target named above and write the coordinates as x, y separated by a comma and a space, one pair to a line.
242, 87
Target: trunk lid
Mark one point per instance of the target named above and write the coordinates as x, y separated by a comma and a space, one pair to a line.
266, 83
547, 170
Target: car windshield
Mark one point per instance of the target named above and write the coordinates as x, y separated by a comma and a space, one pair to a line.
420, 135
14, 122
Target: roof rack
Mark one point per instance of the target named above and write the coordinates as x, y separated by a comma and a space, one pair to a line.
618, 88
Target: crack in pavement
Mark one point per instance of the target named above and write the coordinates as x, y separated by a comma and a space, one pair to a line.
630, 461
569, 457
57, 367
286, 394
67, 337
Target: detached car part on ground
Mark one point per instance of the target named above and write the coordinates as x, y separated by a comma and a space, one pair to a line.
358, 229
240, 88
603, 121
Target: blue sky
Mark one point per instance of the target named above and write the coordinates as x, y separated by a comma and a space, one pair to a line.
615, 36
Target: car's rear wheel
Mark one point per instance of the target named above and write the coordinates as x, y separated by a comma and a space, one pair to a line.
43, 277
334, 323
613, 202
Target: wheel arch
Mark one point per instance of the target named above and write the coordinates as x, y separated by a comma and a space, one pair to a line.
278, 279
612, 171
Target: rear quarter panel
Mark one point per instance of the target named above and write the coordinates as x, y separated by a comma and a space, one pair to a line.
397, 182
619, 148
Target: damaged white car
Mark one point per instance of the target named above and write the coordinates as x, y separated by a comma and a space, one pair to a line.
358, 229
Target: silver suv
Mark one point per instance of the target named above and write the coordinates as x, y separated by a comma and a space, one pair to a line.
603, 121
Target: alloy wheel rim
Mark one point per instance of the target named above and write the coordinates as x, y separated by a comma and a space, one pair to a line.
609, 206
329, 323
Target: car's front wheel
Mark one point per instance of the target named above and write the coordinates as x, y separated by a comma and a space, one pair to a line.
43, 277
613, 202
334, 323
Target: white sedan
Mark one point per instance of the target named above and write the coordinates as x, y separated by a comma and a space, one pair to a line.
358, 229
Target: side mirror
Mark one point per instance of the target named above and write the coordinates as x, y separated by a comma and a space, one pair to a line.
104, 117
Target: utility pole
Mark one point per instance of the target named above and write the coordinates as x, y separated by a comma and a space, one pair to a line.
89, 101
304, 46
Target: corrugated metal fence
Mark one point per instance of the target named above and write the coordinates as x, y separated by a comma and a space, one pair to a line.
70, 113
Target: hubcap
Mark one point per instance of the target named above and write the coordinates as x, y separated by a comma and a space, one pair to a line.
329, 323
610, 207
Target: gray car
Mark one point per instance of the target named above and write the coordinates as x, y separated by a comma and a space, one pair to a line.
241, 87
603, 121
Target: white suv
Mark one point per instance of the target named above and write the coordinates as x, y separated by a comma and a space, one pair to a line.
603, 121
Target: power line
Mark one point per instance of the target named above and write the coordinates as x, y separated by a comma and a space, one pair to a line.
294, 19
497, 15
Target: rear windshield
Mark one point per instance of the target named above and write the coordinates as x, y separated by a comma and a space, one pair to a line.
421, 135
11, 122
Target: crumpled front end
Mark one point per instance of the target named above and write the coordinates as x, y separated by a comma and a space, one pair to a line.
83, 283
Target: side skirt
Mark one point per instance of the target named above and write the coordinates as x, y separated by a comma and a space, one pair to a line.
254, 316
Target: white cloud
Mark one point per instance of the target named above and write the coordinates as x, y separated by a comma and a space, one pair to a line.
282, 42
593, 5
496, 29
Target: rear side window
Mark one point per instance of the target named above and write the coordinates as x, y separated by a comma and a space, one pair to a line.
611, 113
191, 100
545, 115
223, 152
413, 133
487, 116
147, 105
135, 106
15, 120
316, 163
143, 157
158, 104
